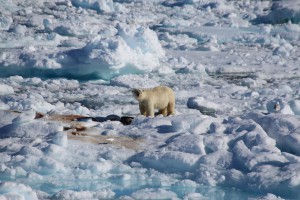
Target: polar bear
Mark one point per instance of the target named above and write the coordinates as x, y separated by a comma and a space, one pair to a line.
160, 97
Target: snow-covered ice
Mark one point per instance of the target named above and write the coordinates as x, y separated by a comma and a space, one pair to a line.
67, 68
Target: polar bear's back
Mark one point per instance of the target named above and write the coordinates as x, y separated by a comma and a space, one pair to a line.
163, 90
162, 96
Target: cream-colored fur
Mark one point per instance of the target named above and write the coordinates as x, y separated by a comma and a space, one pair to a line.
160, 97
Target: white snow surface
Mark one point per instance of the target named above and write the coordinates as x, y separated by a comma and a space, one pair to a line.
234, 67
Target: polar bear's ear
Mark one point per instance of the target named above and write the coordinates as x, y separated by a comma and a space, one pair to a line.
137, 92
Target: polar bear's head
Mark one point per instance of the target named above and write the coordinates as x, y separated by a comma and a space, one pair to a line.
138, 94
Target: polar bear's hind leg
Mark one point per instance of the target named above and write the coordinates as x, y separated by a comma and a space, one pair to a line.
163, 111
171, 108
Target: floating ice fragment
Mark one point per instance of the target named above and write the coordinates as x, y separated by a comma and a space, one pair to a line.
185, 186
165, 160
134, 81
5, 22
98, 5
47, 166
37, 103
134, 49
267, 197
30, 150
210, 45
4, 106
24, 117
194, 196
19, 29
60, 138
188, 143
282, 11
282, 51
153, 194
249, 82
180, 124
203, 105
281, 127
81, 110
102, 166
295, 106
54, 151
10, 190
48, 24
6, 89
79, 195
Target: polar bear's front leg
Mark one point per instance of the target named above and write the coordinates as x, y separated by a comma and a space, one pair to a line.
150, 110
142, 109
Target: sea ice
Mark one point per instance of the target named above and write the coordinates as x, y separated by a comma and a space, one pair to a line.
133, 49
11, 190
5, 22
98, 5
6, 89
295, 106
283, 11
